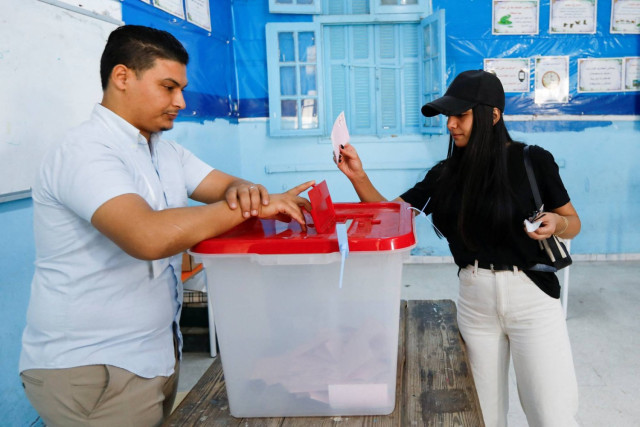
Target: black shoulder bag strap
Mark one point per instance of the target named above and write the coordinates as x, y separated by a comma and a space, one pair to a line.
532, 178
555, 249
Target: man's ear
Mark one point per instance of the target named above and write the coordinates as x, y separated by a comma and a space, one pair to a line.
119, 75
496, 115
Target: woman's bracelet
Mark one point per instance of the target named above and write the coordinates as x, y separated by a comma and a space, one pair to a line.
566, 225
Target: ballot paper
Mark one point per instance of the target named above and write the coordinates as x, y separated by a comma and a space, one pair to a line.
339, 134
359, 395
532, 226
533, 222
333, 364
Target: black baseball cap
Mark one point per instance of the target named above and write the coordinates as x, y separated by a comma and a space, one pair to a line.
467, 90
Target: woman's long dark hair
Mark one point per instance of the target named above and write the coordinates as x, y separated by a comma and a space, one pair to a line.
476, 177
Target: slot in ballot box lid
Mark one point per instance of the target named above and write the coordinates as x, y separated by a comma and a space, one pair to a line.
380, 226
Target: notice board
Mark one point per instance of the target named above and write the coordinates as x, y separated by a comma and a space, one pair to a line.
49, 82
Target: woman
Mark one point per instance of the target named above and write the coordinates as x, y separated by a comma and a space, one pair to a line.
479, 197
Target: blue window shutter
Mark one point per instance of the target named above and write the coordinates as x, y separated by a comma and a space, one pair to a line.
373, 74
359, 6
363, 99
350, 75
410, 78
338, 76
433, 71
294, 70
346, 7
411, 104
362, 79
388, 75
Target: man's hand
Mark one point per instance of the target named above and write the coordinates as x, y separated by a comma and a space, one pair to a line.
288, 205
249, 196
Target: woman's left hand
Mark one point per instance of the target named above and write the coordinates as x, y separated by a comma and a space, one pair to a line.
548, 225
564, 222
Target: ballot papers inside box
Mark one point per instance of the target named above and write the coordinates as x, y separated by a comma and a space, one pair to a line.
303, 329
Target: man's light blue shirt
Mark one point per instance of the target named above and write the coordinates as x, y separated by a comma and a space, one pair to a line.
92, 303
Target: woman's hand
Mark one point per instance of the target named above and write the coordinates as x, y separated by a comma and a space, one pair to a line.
548, 225
350, 165
564, 222
349, 162
286, 206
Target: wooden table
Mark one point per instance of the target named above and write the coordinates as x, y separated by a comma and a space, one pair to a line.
434, 387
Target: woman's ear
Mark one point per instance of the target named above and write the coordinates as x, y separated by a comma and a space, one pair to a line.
496, 115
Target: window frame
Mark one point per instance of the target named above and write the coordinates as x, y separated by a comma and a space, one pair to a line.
375, 7
436, 18
273, 77
294, 8
422, 6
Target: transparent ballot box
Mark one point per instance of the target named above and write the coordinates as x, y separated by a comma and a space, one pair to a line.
307, 322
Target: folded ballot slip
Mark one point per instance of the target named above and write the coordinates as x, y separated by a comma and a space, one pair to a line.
532, 226
535, 220
339, 134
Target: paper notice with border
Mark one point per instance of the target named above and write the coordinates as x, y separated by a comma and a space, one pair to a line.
632, 73
515, 17
173, 7
513, 73
198, 13
552, 79
573, 16
625, 17
600, 75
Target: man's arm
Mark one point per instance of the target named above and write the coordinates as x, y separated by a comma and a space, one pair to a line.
147, 234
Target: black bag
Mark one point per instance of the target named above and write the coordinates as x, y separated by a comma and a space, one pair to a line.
554, 246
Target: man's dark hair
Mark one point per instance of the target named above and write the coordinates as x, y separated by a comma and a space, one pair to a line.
137, 47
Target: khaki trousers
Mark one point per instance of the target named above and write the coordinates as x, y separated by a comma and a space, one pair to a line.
99, 395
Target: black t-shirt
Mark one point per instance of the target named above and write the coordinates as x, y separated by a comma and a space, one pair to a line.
519, 250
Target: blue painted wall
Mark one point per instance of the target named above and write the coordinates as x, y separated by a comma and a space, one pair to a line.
598, 163
16, 264
598, 166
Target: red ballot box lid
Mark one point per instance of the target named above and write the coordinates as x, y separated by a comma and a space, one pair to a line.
371, 227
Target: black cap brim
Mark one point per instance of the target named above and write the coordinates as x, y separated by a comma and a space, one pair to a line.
447, 105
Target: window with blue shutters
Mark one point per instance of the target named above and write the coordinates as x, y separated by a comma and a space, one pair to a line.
378, 69
371, 73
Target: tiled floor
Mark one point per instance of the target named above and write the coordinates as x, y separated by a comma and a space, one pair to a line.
604, 326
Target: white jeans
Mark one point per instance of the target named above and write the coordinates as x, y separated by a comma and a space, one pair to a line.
505, 312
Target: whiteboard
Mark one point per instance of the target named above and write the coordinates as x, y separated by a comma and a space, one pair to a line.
49, 82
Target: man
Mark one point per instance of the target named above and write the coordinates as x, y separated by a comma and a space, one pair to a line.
102, 344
